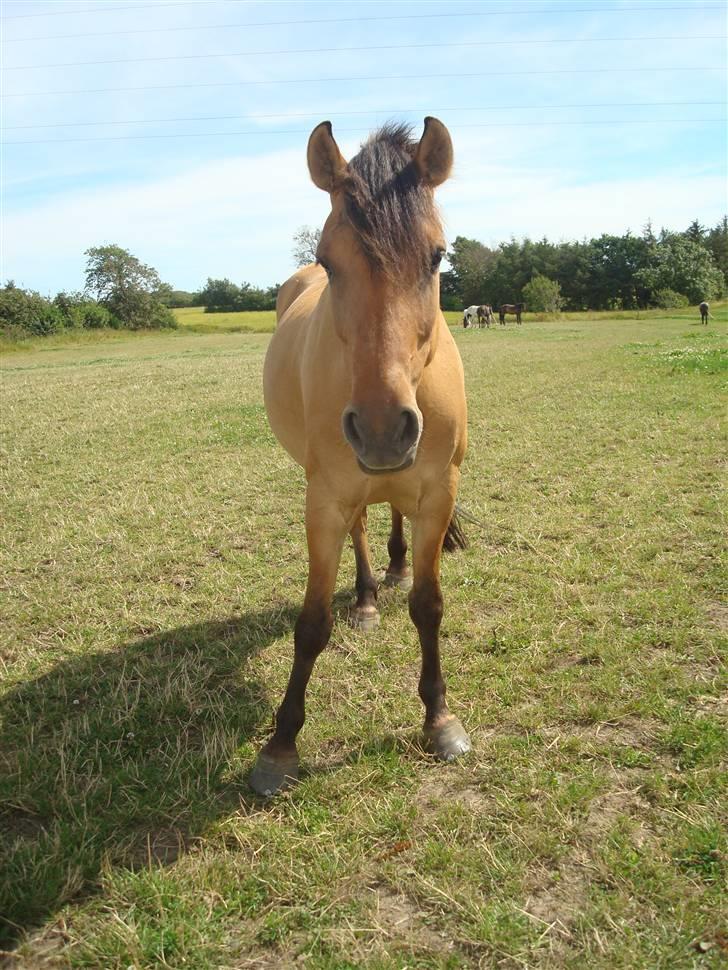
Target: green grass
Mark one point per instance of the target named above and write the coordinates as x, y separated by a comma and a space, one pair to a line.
152, 566
248, 321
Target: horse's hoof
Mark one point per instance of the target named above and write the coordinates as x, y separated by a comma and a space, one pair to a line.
398, 580
270, 775
448, 741
364, 619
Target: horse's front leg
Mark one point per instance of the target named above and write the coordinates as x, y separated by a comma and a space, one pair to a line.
276, 767
444, 734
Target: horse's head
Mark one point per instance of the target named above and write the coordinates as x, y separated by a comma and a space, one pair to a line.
381, 247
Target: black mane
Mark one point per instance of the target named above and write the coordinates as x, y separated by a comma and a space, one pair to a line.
387, 204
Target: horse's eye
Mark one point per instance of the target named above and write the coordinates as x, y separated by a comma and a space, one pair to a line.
437, 259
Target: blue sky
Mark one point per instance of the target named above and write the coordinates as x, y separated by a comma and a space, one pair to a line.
569, 118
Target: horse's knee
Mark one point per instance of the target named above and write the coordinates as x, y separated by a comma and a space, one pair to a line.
312, 631
426, 606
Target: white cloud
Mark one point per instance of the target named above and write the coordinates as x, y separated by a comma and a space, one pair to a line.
236, 217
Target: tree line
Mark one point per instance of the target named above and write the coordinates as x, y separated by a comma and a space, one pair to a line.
224, 296
120, 292
667, 269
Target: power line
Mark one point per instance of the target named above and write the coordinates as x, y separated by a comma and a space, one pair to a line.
306, 131
372, 77
390, 111
69, 13
348, 50
350, 20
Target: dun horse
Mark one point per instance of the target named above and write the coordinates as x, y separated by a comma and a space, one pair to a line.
515, 308
364, 387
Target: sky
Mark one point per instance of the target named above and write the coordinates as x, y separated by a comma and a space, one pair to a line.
179, 130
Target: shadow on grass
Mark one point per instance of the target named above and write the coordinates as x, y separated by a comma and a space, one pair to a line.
125, 757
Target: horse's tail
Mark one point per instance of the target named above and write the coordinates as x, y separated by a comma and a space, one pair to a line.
454, 537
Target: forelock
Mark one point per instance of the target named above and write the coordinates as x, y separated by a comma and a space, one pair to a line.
387, 205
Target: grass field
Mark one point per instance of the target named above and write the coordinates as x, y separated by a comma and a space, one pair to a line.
196, 320
152, 566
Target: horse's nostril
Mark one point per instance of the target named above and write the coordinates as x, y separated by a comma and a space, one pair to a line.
351, 431
409, 429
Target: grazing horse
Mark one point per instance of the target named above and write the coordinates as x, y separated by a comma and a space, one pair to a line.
704, 312
485, 315
515, 308
363, 386
470, 315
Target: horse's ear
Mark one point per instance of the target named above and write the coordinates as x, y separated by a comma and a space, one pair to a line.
325, 162
434, 156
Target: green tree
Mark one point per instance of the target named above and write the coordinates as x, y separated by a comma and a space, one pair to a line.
219, 295
471, 264
131, 291
717, 243
542, 295
615, 261
252, 298
679, 264
695, 232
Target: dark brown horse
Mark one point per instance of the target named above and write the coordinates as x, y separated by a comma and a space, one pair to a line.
485, 315
513, 308
364, 387
704, 312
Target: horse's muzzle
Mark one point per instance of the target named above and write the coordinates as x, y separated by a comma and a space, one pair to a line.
383, 450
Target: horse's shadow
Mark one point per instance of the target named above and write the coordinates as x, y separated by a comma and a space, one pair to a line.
125, 757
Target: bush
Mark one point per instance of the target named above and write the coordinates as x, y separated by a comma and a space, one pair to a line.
95, 317
29, 311
79, 311
542, 295
669, 299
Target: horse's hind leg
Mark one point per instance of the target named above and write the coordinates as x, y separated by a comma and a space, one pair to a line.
276, 767
398, 573
444, 734
364, 613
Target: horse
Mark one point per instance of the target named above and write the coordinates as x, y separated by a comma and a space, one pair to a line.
704, 312
515, 308
364, 387
485, 315
470, 315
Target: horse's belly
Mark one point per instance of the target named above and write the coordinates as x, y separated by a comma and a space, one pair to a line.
282, 392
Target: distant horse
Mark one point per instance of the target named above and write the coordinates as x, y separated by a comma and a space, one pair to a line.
364, 387
470, 315
704, 312
485, 315
514, 308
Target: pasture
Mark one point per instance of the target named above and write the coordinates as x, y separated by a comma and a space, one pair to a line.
195, 320
153, 564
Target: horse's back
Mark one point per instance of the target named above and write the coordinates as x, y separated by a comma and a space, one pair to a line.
295, 285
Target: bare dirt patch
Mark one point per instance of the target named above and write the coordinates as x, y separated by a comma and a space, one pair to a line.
557, 896
439, 788
718, 616
397, 917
